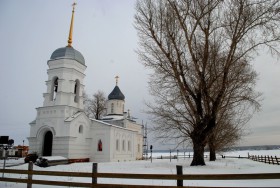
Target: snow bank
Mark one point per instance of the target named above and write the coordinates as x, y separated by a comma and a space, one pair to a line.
164, 166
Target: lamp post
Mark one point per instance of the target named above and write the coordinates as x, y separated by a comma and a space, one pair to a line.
5, 156
151, 148
22, 148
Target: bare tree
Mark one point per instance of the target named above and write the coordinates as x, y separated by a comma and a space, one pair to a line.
195, 49
95, 107
227, 133
236, 109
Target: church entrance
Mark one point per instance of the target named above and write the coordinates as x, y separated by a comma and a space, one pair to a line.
48, 141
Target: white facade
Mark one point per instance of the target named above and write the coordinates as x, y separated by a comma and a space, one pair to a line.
70, 75
115, 107
61, 128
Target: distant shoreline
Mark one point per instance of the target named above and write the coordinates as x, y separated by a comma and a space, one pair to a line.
237, 148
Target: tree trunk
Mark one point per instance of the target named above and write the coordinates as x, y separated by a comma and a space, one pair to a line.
212, 153
212, 148
198, 153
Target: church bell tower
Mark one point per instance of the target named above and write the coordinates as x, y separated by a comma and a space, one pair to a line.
65, 76
52, 133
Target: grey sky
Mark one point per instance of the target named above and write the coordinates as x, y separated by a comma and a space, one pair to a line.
103, 32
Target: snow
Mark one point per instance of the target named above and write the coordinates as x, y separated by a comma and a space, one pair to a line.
164, 166
54, 158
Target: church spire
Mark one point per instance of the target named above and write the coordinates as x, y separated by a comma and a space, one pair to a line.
71, 26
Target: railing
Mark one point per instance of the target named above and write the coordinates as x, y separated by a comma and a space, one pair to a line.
265, 159
179, 177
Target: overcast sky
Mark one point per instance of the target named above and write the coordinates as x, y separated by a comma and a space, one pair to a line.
31, 30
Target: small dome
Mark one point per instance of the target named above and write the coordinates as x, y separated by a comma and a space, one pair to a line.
116, 94
68, 53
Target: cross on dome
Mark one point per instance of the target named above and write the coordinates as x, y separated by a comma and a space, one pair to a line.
71, 25
117, 79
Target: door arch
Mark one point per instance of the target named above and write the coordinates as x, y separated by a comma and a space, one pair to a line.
48, 142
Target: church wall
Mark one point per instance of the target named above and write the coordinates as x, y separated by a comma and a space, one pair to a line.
138, 137
53, 119
111, 136
115, 106
61, 146
122, 143
139, 146
133, 126
100, 132
43, 124
79, 132
33, 144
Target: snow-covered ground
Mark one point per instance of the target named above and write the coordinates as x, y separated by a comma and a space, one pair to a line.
164, 166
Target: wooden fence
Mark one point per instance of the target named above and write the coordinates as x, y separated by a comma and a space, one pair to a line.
175, 156
265, 159
179, 177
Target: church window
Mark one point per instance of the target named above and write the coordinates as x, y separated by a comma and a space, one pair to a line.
99, 147
112, 108
123, 145
81, 129
76, 91
54, 88
117, 145
129, 146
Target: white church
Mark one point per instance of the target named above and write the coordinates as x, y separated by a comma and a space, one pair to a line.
61, 127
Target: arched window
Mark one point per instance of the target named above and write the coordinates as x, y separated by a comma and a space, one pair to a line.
99, 147
112, 108
117, 145
129, 146
54, 88
123, 145
76, 91
81, 129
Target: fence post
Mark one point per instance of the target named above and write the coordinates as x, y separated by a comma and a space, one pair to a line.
268, 159
179, 172
29, 177
272, 159
94, 171
276, 160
